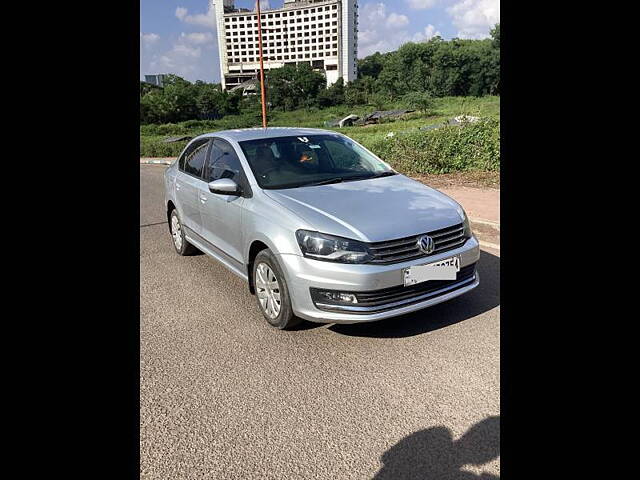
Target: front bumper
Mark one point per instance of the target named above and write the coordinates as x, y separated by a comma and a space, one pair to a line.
304, 273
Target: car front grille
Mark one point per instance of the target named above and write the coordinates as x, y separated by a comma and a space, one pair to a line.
394, 294
374, 301
404, 249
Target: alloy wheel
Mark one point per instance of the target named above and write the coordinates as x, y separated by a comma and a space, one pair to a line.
268, 290
176, 232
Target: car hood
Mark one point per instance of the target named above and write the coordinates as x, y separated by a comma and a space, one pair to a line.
371, 210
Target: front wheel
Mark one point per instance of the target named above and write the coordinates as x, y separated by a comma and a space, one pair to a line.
180, 243
272, 292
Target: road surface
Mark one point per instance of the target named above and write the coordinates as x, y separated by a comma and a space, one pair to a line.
224, 395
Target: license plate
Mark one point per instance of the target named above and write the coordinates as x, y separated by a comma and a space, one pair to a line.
442, 270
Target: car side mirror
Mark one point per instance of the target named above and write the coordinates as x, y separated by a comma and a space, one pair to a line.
225, 186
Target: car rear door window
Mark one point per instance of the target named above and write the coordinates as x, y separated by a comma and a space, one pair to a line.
194, 162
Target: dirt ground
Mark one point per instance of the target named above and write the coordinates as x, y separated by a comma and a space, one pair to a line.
461, 179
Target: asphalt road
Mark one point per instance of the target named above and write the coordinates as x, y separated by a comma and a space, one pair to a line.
224, 395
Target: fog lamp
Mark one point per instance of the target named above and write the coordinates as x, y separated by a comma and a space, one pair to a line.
332, 296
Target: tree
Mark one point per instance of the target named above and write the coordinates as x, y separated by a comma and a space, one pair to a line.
332, 95
494, 63
147, 87
353, 94
378, 100
211, 102
371, 66
422, 101
293, 86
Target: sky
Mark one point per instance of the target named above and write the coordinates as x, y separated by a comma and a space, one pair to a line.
179, 36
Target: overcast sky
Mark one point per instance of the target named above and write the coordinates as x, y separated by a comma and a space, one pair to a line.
179, 36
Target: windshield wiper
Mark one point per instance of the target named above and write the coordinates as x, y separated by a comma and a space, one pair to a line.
367, 177
383, 174
349, 179
324, 182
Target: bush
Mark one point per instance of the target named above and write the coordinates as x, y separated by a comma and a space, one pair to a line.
155, 147
473, 147
422, 101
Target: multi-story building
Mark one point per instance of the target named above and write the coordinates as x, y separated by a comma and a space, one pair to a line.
155, 79
322, 33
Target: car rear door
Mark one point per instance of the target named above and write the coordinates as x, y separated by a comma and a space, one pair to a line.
188, 183
222, 214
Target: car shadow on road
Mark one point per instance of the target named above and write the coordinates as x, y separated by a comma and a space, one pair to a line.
481, 299
434, 454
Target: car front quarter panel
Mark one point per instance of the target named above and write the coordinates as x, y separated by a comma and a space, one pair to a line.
268, 222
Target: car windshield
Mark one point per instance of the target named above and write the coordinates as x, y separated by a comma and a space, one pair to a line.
289, 162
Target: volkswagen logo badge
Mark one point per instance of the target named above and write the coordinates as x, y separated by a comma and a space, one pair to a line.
425, 244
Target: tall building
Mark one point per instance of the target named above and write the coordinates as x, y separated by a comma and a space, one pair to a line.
155, 79
322, 33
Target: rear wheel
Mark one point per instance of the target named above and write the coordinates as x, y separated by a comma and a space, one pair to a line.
180, 243
272, 292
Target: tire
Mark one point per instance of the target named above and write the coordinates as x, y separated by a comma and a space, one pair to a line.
265, 265
180, 243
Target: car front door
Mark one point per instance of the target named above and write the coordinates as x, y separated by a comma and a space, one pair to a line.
222, 214
188, 182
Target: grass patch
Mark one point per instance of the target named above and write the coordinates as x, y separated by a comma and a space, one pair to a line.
472, 148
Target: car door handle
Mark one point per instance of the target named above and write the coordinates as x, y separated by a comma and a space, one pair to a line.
203, 198
177, 186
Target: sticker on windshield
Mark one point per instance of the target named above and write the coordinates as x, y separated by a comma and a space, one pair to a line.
314, 146
303, 139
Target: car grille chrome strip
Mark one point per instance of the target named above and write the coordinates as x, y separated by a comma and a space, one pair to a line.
403, 249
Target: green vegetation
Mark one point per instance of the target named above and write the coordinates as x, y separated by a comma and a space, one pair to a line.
474, 147
439, 79
180, 100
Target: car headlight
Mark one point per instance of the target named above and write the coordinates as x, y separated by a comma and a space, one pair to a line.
321, 246
465, 223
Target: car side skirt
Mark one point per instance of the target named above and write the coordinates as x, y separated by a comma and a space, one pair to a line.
214, 252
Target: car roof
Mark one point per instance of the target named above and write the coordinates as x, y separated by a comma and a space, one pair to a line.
242, 134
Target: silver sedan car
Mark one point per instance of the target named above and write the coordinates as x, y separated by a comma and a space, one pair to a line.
319, 227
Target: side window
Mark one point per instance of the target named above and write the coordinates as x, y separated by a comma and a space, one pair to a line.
189, 152
224, 163
194, 162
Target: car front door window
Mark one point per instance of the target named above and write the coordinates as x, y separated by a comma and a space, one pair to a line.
224, 163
